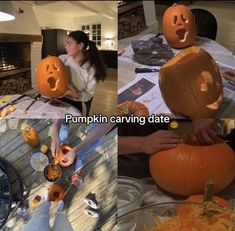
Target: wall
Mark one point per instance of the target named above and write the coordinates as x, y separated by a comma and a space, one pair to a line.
109, 26
25, 23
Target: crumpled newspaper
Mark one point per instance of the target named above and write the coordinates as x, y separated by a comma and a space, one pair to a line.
151, 52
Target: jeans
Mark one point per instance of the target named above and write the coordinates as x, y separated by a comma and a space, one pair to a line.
40, 220
63, 136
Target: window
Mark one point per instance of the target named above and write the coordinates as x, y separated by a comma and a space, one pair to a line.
86, 29
94, 32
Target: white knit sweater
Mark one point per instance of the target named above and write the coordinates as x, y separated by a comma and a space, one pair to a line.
81, 77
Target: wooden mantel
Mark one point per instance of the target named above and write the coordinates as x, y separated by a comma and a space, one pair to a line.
19, 38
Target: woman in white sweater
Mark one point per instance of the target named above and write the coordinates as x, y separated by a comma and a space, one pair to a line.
85, 68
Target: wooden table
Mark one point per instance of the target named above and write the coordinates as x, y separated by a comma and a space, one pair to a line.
99, 174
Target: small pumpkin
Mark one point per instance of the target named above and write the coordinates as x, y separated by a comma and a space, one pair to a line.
185, 169
198, 89
44, 149
132, 108
30, 136
56, 193
61, 158
52, 77
179, 26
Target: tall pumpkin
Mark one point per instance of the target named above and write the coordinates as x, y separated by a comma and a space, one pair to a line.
191, 84
30, 136
52, 77
179, 26
184, 170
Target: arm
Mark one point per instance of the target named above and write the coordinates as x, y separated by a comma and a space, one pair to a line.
100, 131
150, 144
55, 142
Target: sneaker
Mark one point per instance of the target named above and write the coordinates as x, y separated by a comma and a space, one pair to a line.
91, 212
91, 201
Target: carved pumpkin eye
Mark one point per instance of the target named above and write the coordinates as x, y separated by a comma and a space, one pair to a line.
175, 19
55, 67
184, 18
204, 79
47, 67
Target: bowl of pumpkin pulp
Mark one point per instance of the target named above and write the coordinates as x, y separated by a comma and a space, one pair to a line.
179, 216
52, 172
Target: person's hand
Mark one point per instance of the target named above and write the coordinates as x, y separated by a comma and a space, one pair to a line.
70, 92
205, 131
159, 140
55, 145
229, 75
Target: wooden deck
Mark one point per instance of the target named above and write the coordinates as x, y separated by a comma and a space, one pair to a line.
100, 175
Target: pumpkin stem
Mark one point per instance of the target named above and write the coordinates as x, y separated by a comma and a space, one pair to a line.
209, 191
174, 4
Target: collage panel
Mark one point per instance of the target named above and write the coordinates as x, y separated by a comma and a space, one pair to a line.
58, 58
44, 183
168, 180
64, 61
175, 59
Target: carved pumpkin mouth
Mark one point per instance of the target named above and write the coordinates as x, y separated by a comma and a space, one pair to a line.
52, 82
215, 105
182, 34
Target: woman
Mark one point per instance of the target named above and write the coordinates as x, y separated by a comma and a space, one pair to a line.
85, 68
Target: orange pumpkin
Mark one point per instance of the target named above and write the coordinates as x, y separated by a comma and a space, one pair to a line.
56, 193
30, 136
61, 158
198, 89
132, 108
179, 26
185, 169
52, 77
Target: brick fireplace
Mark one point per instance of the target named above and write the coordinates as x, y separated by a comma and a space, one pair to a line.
18, 55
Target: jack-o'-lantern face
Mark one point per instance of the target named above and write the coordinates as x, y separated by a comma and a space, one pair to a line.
52, 77
179, 26
191, 84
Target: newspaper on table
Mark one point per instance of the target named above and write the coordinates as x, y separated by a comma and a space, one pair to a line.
209, 45
43, 108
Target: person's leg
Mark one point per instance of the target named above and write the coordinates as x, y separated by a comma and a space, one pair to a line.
61, 221
40, 219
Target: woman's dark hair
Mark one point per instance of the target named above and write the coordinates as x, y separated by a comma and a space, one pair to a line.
91, 53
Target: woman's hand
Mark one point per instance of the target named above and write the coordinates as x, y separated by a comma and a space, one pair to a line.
71, 92
205, 131
55, 145
229, 75
160, 140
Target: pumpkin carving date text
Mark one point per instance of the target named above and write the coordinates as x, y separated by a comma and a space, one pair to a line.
185, 169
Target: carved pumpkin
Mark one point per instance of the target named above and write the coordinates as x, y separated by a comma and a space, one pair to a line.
191, 84
179, 26
132, 108
61, 158
30, 136
52, 77
185, 169
56, 193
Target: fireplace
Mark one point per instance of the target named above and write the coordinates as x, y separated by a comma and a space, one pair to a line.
15, 63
